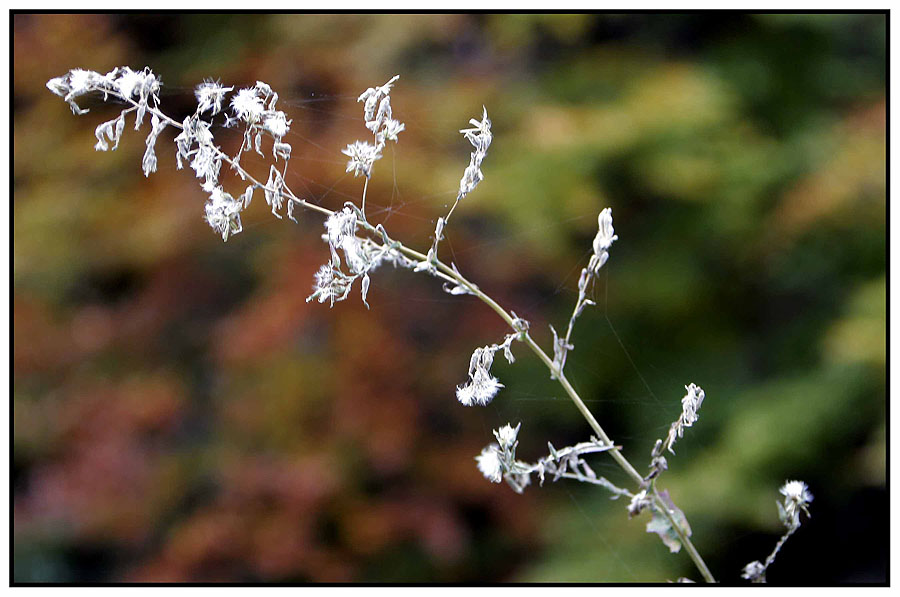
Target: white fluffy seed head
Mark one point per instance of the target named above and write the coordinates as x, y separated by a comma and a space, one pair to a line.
506, 435
796, 491
247, 105
210, 95
489, 464
362, 156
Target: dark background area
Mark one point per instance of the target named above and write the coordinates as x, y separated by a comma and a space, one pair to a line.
180, 413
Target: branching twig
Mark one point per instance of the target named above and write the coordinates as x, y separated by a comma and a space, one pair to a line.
363, 252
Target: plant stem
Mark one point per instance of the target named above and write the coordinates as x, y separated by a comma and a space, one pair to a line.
585, 411
452, 275
450, 213
685, 540
778, 546
365, 188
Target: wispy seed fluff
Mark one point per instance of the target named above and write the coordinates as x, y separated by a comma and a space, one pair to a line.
490, 464
362, 156
506, 436
223, 212
210, 95
482, 386
379, 120
796, 499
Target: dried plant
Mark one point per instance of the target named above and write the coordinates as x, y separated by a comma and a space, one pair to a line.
796, 499
357, 249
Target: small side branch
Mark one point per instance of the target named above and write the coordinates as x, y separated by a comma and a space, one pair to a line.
796, 500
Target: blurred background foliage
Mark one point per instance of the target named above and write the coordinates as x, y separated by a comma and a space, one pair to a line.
181, 414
